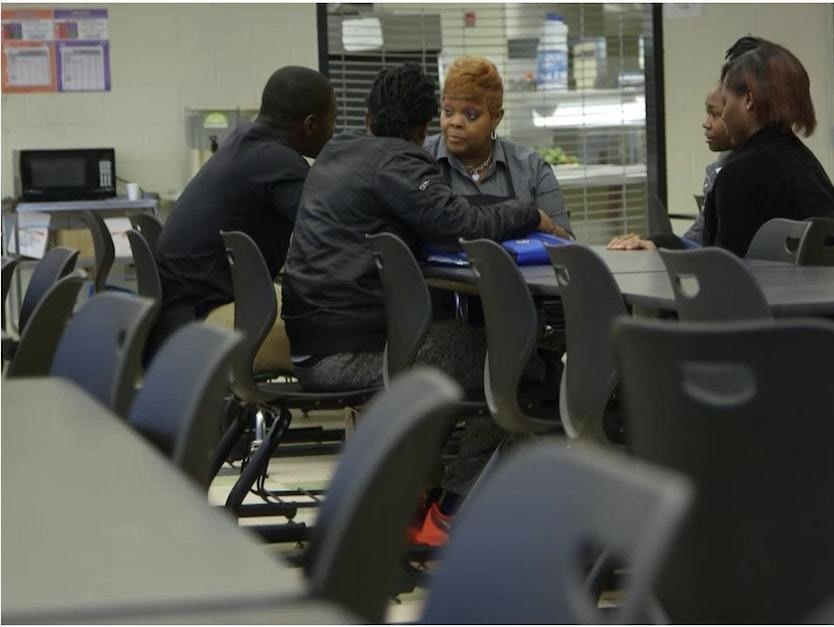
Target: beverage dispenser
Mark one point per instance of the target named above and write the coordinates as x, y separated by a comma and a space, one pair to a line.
207, 128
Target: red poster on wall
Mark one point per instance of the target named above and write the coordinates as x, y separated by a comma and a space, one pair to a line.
28, 59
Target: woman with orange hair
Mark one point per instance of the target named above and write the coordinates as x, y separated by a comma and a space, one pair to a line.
478, 163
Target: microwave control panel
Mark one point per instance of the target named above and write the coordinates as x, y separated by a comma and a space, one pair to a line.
105, 173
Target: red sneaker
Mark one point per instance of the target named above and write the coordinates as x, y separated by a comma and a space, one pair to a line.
435, 530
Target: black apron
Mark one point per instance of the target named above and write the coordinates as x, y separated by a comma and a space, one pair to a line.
468, 308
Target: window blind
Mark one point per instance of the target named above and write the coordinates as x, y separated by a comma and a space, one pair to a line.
590, 124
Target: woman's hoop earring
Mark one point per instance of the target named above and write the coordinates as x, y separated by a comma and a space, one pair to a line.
493, 135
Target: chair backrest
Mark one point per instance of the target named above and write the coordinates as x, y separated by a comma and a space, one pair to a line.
255, 307
180, 405
822, 616
147, 276
408, 306
778, 239
512, 327
818, 247
591, 300
105, 251
658, 218
57, 263
9, 264
47, 323
744, 410
585, 501
713, 284
356, 550
700, 200
149, 226
102, 346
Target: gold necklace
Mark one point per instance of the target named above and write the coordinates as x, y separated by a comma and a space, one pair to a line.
473, 172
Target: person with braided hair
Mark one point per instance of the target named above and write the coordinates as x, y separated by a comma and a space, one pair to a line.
370, 183
383, 181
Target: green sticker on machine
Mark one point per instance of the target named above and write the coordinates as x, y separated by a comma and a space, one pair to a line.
216, 119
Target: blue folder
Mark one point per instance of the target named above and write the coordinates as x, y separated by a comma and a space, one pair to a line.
526, 251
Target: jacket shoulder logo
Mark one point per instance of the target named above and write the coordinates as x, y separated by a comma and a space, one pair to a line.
422, 186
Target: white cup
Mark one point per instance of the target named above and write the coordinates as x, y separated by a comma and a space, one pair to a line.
134, 192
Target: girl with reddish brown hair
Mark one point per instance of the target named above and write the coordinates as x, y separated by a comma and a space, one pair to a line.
771, 173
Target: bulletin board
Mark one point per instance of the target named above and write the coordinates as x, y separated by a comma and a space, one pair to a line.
55, 50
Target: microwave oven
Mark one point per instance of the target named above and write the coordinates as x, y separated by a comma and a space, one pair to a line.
67, 174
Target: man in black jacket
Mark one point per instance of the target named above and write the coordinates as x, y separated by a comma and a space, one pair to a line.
384, 182
253, 184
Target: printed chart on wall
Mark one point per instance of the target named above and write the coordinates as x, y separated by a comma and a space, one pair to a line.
65, 50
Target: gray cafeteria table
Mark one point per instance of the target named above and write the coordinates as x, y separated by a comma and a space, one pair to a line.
99, 527
632, 261
790, 290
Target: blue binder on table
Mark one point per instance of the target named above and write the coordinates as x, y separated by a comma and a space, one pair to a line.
526, 251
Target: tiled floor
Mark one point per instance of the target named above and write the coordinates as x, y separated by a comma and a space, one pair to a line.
307, 472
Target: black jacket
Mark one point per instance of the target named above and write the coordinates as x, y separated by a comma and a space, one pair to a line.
332, 297
772, 175
252, 184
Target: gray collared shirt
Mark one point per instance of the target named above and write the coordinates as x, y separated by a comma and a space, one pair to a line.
696, 231
532, 178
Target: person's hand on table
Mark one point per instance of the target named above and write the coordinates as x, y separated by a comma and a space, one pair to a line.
546, 225
630, 241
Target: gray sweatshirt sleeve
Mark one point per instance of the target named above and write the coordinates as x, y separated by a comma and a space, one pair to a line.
548, 194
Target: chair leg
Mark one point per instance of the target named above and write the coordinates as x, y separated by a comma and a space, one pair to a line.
600, 574
230, 437
494, 459
258, 461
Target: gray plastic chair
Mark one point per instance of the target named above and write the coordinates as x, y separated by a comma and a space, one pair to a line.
591, 300
255, 312
9, 265
744, 410
147, 275
818, 246
586, 499
357, 547
102, 345
180, 405
823, 616
105, 251
700, 201
408, 311
149, 226
57, 263
778, 239
408, 306
713, 284
39, 340
658, 218
512, 328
